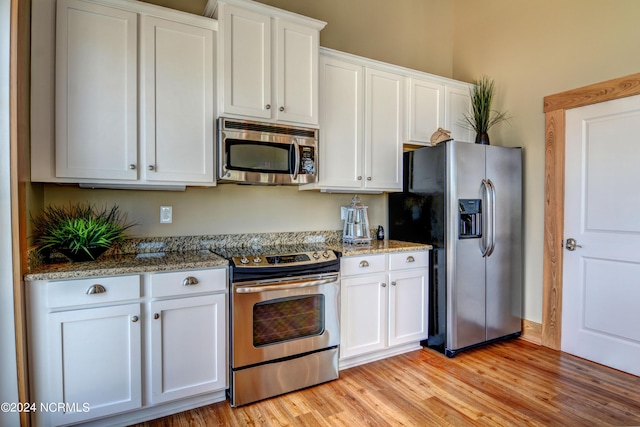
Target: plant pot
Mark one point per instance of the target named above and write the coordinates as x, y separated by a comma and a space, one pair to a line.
81, 256
482, 138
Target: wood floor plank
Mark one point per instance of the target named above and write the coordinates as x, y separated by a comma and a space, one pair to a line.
511, 383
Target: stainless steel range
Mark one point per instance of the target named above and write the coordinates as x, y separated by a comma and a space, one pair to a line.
284, 320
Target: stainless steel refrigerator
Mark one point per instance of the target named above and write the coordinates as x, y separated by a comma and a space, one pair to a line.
466, 200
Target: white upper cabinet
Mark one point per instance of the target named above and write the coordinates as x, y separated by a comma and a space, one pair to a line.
435, 102
134, 96
270, 63
425, 109
384, 115
96, 91
458, 103
361, 126
177, 107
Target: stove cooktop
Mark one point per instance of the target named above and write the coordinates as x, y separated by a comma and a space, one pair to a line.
276, 256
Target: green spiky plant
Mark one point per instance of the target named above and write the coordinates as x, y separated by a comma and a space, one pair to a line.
79, 231
482, 117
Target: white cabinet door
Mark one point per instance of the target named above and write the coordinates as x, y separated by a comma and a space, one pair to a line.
177, 98
408, 296
425, 109
246, 63
457, 104
384, 115
341, 135
363, 314
95, 360
187, 350
296, 73
96, 92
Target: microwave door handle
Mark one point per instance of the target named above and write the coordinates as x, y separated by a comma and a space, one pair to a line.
296, 166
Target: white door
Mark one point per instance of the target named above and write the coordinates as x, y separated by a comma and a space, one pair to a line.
408, 302
297, 73
457, 104
246, 63
363, 317
95, 359
177, 101
601, 289
187, 346
96, 91
425, 109
384, 106
341, 135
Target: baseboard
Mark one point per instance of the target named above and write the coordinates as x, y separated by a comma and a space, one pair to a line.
531, 331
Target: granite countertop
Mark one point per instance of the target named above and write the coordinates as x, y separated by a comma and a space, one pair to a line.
195, 252
127, 264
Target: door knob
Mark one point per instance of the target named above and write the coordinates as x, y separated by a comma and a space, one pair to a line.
571, 244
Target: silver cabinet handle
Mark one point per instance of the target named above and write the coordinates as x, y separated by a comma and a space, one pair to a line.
364, 263
572, 244
151, 167
384, 285
360, 178
411, 259
268, 106
368, 178
281, 108
96, 289
134, 319
132, 166
393, 283
190, 281
156, 316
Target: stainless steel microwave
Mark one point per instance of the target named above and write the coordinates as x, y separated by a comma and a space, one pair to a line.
264, 153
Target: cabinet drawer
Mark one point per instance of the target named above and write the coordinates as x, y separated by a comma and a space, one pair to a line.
92, 290
187, 282
404, 260
365, 264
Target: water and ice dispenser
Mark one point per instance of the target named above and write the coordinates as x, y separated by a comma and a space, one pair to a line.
470, 220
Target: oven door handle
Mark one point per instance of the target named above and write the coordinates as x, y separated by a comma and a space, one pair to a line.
252, 289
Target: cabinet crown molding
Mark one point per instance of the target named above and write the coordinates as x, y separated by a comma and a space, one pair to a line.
211, 11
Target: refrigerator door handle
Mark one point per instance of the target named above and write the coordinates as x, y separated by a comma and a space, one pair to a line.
486, 243
493, 217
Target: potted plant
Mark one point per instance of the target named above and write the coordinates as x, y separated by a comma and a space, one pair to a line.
81, 232
482, 117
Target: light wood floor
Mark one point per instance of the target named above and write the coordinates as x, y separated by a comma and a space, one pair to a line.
512, 383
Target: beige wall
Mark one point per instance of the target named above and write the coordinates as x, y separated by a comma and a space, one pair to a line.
533, 49
225, 209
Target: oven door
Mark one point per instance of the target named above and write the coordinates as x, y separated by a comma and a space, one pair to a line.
274, 319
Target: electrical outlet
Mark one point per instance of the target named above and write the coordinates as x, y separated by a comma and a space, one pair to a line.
166, 214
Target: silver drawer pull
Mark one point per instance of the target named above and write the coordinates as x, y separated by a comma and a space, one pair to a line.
156, 316
190, 281
384, 285
134, 319
364, 263
411, 259
96, 289
393, 283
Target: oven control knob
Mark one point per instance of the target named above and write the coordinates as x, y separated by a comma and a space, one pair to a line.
257, 260
315, 255
244, 260
325, 254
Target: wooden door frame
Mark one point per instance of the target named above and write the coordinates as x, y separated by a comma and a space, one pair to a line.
555, 107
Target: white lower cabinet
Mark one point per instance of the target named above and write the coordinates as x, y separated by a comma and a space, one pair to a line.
123, 349
187, 338
95, 358
384, 301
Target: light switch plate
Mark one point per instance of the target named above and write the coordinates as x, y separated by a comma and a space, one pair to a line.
166, 214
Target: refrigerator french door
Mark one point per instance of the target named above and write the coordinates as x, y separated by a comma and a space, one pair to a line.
466, 200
